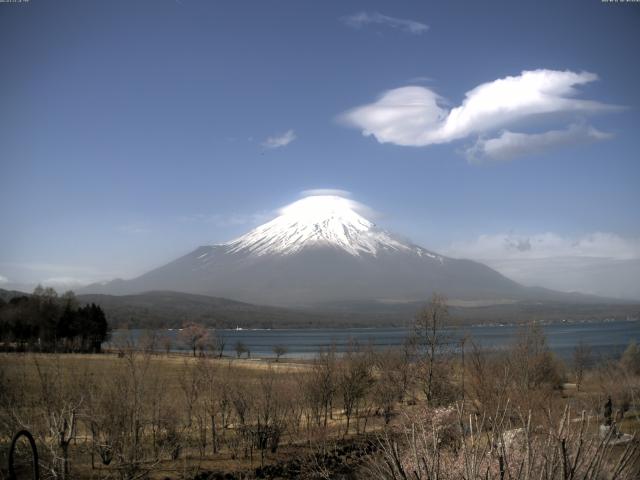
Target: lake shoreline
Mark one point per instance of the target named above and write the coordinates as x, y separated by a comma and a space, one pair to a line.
606, 337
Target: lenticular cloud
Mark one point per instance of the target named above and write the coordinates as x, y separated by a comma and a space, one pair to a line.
415, 115
509, 145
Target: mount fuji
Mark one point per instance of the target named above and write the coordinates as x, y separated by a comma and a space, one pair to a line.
321, 249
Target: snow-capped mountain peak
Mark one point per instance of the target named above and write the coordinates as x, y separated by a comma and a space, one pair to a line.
318, 220
321, 249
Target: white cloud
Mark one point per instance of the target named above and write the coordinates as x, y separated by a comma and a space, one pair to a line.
278, 141
509, 145
416, 115
420, 79
339, 199
224, 220
547, 245
596, 263
361, 19
325, 191
25, 275
3, 280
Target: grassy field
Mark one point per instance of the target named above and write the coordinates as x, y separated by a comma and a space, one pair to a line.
139, 415
176, 383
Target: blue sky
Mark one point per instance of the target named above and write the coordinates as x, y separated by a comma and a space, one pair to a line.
132, 132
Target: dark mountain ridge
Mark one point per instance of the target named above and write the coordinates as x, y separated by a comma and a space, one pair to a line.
165, 309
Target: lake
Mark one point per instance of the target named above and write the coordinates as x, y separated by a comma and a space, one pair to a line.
607, 338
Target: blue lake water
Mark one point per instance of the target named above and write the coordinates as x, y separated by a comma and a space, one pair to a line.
606, 338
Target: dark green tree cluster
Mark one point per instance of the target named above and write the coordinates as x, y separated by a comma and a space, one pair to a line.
47, 322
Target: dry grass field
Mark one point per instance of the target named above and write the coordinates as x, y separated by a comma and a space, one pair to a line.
133, 414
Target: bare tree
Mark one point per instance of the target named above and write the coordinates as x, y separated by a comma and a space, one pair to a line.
321, 386
213, 390
61, 400
279, 350
243, 402
167, 343
392, 378
489, 377
270, 414
194, 336
354, 382
132, 421
630, 360
581, 359
220, 343
313, 399
240, 348
190, 381
429, 332
149, 341
531, 357
490, 451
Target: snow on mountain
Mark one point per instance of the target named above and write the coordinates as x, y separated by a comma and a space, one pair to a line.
320, 220
320, 249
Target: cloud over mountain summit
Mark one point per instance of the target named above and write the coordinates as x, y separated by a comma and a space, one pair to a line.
416, 116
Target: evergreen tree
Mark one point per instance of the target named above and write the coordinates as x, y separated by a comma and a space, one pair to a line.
46, 322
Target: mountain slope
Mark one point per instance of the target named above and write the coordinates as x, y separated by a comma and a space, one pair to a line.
174, 309
321, 249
